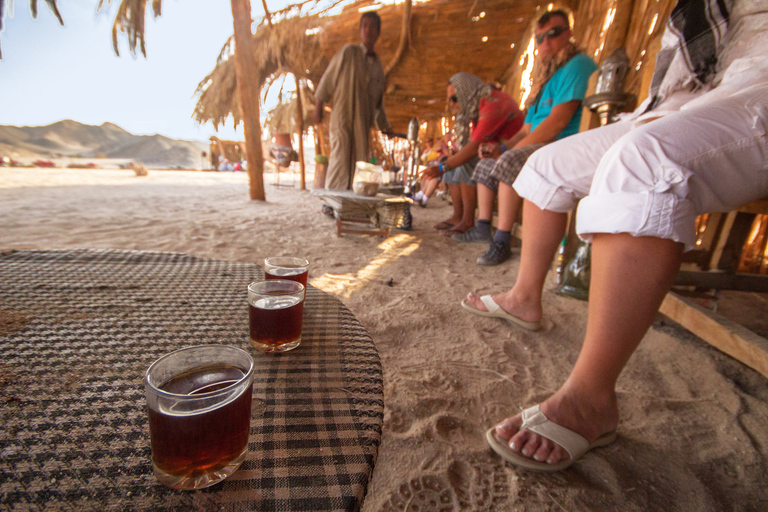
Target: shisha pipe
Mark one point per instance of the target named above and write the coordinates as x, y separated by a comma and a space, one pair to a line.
413, 160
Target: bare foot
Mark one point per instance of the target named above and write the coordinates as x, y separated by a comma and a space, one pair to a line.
590, 416
461, 226
528, 311
446, 224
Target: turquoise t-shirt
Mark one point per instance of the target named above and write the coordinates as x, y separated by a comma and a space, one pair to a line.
568, 83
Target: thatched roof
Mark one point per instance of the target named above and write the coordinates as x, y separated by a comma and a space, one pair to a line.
485, 37
446, 37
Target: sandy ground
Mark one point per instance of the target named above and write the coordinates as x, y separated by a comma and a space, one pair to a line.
694, 429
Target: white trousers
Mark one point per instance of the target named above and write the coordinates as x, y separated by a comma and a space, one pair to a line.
654, 179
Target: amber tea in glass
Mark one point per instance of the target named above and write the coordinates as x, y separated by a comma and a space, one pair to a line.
284, 267
199, 408
275, 309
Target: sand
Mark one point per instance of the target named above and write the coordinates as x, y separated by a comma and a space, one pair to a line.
694, 428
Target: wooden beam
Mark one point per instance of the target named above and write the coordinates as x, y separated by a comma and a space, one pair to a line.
723, 281
300, 122
735, 340
730, 218
405, 39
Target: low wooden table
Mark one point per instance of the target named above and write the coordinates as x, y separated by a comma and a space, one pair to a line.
79, 328
364, 215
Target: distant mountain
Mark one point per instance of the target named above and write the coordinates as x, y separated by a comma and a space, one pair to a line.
72, 139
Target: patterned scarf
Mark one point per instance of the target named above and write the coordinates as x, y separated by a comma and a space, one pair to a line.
690, 45
470, 89
548, 66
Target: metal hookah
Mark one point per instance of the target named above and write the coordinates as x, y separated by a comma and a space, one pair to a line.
412, 167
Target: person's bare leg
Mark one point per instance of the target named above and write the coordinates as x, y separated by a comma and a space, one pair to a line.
542, 232
455, 192
430, 186
626, 290
485, 197
469, 203
509, 205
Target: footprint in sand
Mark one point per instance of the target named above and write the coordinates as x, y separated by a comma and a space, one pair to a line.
396, 421
480, 482
456, 430
429, 493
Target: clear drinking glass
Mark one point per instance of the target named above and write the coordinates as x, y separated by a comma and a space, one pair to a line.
286, 267
275, 308
199, 407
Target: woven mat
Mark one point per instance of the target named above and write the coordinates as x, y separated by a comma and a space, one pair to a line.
78, 329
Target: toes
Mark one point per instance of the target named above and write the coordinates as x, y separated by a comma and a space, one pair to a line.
476, 302
509, 427
531, 446
544, 449
557, 454
520, 440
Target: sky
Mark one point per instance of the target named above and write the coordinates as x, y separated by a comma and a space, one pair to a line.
49, 72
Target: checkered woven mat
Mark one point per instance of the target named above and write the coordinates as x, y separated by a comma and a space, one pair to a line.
79, 328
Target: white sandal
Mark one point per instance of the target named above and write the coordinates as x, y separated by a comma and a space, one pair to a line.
535, 421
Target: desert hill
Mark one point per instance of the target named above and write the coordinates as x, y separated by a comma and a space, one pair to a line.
71, 139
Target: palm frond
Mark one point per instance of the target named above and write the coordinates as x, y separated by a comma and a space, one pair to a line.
129, 19
52, 5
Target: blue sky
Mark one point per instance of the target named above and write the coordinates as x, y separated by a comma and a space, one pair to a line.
49, 72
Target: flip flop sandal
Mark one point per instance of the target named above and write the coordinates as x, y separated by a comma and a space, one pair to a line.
442, 225
495, 311
451, 232
535, 421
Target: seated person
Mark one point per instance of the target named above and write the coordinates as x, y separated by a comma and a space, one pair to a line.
555, 112
690, 149
495, 115
432, 155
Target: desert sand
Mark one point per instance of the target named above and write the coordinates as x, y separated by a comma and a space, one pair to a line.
694, 428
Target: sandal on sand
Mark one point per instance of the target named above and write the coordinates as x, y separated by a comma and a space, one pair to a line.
535, 421
440, 226
494, 310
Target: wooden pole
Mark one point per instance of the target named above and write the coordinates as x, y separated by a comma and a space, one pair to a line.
300, 122
266, 13
248, 86
405, 38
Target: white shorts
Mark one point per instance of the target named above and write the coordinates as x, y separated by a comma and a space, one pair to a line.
654, 179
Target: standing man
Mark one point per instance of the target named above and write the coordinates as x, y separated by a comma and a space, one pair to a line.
354, 84
559, 86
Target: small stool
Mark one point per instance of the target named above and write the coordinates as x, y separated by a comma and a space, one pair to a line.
364, 215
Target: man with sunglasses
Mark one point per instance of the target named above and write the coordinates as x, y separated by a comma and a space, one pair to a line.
354, 83
555, 102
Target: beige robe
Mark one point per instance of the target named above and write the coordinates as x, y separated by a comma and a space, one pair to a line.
354, 85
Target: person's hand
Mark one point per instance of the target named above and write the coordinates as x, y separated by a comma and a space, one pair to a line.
431, 172
489, 150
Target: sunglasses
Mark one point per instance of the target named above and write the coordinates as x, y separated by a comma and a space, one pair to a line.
550, 34
453, 99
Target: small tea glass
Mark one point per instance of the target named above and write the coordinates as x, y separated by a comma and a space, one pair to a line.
199, 407
287, 267
275, 310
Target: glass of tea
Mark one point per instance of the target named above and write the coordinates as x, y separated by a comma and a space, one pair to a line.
199, 407
275, 308
286, 267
